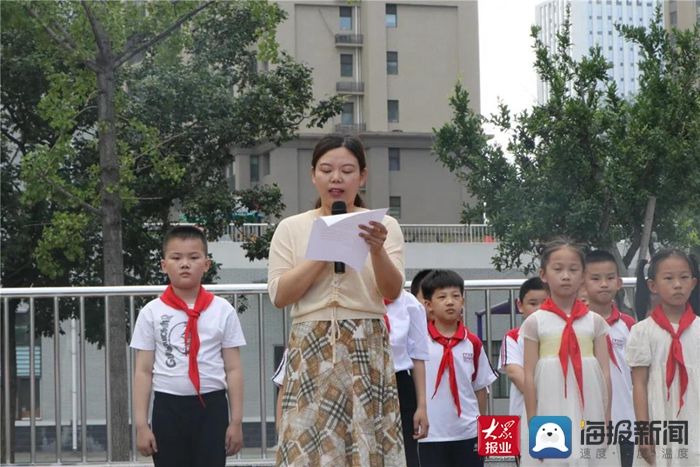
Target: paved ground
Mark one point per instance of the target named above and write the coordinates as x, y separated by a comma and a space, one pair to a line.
236, 463
250, 458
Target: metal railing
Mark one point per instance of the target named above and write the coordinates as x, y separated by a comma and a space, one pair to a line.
350, 128
350, 87
479, 295
353, 40
413, 233
255, 296
447, 233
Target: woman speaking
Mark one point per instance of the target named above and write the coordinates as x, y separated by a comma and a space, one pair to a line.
339, 402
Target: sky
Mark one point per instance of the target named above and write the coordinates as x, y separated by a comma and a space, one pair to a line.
505, 54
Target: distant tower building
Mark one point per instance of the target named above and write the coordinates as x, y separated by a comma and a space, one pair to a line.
593, 23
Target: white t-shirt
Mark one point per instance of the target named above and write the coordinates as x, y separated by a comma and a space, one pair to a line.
621, 378
445, 424
408, 331
161, 328
512, 353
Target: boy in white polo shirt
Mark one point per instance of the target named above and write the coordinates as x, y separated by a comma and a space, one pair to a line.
457, 376
405, 320
187, 344
510, 361
602, 281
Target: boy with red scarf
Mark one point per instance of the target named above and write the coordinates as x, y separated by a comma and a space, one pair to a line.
457, 376
601, 282
187, 344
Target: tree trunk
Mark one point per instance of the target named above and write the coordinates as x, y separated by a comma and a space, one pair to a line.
111, 205
644, 249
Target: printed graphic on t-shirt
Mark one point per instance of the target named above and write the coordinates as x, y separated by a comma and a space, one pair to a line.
173, 339
618, 343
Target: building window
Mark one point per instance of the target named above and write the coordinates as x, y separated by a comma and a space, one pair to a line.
232, 180
393, 110
254, 169
391, 20
674, 18
392, 63
345, 18
347, 117
346, 65
394, 159
395, 206
265, 164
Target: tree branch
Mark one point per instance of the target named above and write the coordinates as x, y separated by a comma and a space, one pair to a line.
87, 206
128, 53
59, 36
97, 30
18, 143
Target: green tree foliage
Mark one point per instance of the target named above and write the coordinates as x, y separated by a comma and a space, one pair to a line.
585, 162
118, 114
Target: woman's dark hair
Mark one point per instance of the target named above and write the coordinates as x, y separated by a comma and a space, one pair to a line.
545, 251
642, 297
352, 144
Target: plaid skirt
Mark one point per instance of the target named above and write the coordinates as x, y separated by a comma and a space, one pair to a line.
342, 413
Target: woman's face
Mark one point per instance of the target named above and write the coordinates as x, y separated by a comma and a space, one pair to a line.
337, 177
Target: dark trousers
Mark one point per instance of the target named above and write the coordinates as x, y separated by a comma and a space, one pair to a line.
187, 433
408, 405
626, 453
450, 454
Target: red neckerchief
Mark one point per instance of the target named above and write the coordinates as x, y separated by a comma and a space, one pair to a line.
612, 319
513, 334
447, 358
386, 315
204, 298
675, 354
569, 343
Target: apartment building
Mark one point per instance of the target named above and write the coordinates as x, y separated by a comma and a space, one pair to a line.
396, 64
593, 24
681, 14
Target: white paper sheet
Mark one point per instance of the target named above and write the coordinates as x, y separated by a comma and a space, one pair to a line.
337, 238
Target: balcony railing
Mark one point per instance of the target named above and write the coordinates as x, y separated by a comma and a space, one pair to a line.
447, 233
350, 128
351, 40
265, 328
350, 87
413, 233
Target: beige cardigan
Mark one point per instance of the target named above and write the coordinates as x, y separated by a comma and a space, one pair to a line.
351, 295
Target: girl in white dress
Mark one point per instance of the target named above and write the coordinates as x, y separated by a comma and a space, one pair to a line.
664, 353
566, 368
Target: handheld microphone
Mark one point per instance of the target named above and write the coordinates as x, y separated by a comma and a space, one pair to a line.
339, 207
